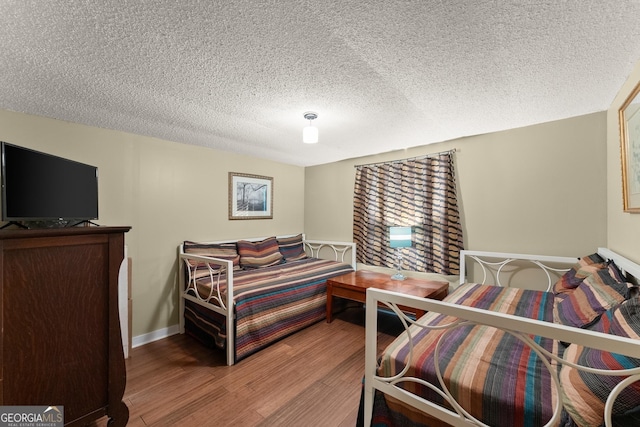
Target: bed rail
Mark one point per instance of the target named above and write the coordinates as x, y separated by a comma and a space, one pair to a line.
221, 271
518, 326
522, 328
494, 264
341, 250
217, 269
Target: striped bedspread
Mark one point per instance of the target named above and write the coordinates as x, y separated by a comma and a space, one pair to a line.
492, 374
270, 303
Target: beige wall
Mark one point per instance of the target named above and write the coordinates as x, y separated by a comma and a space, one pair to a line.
623, 228
538, 189
168, 192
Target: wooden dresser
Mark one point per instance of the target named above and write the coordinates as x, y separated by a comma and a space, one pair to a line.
60, 341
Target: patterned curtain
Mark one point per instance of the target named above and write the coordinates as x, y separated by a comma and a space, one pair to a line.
419, 193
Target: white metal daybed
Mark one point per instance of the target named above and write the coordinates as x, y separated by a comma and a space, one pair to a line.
243, 295
485, 356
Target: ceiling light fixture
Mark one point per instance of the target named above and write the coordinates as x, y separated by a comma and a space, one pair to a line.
310, 133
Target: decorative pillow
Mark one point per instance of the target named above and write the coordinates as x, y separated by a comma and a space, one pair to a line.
596, 294
292, 248
615, 272
259, 254
585, 393
226, 251
581, 270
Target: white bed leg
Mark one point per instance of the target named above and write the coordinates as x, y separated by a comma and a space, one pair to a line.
230, 342
370, 346
181, 315
231, 320
181, 287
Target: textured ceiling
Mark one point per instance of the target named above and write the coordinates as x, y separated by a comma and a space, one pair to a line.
382, 75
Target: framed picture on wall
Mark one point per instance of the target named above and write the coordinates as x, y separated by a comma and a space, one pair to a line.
250, 196
629, 115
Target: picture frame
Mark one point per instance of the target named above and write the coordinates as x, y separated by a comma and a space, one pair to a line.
250, 196
629, 116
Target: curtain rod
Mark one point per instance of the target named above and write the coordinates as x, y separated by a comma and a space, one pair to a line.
425, 156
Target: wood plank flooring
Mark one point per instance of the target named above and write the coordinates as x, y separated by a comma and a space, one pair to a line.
311, 378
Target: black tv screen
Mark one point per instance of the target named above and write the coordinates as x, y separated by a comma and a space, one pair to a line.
39, 186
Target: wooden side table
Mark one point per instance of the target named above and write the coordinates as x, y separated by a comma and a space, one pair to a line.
353, 286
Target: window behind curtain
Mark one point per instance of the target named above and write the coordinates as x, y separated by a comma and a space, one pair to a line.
420, 193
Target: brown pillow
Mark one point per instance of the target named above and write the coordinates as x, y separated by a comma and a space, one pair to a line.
292, 248
259, 254
226, 251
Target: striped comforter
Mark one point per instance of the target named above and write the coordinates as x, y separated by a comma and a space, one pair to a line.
270, 303
492, 374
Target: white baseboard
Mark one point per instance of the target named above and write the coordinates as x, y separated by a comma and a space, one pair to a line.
154, 336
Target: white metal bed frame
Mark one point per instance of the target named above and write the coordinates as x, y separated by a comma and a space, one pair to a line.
520, 327
217, 268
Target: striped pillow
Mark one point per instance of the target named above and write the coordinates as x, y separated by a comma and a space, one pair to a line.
226, 251
585, 393
581, 270
292, 248
259, 254
595, 295
615, 272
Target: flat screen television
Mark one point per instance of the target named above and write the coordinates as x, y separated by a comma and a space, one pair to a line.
41, 187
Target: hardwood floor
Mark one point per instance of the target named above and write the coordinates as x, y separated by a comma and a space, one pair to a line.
311, 378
